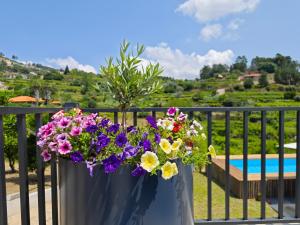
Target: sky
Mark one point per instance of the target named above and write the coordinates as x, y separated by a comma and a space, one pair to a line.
182, 35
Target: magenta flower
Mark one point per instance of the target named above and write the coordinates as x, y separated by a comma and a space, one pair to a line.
172, 111
46, 155
64, 147
76, 131
64, 122
53, 146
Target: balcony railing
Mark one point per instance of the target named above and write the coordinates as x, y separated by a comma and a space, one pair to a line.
209, 113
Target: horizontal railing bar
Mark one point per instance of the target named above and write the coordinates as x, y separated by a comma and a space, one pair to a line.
29, 110
198, 109
26, 110
252, 221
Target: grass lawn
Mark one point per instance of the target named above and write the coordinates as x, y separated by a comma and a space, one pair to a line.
218, 202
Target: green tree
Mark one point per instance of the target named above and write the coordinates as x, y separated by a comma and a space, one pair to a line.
128, 80
248, 83
14, 57
2, 54
263, 80
240, 64
66, 71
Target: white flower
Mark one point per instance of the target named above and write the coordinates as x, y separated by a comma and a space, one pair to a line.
168, 124
197, 124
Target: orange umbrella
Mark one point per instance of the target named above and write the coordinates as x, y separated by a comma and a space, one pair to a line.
22, 99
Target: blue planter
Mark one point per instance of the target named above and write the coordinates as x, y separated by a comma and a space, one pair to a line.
120, 199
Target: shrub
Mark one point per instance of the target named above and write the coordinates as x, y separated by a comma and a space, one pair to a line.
53, 76
238, 87
289, 95
263, 81
198, 96
92, 103
248, 83
297, 98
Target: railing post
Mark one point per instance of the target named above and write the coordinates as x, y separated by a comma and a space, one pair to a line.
40, 176
115, 117
22, 148
227, 165
134, 118
209, 168
3, 203
281, 165
297, 208
263, 166
245, 167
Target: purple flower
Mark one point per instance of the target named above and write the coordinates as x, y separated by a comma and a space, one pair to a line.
138, 171
102, 142
46, 155
172, 111
121, 139
147, 145
64, 147
41, 143
76, 131
129, 151
111, 164
151, 120
145, 135
182, 117
157, 138
90, 165
76, 157
62, 137
91, 129
113, 128
104, 122
131, 129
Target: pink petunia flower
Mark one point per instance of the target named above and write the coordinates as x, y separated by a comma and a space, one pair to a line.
46, 155
53, 146
76, 131
64, 122
64, 147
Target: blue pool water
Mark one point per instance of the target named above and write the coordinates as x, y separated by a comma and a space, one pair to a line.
272, 165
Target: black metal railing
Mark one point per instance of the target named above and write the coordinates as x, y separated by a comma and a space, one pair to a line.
209, 112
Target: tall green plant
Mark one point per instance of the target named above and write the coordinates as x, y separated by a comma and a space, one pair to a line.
128, 80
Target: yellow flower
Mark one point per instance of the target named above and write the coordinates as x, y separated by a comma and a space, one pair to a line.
212, 151
176, 144
149, 161
169, 170
203, 136
165, 146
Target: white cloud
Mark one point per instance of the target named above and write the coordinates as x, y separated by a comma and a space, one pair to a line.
235, 24
211, 32
207, 10
71, 63
184, 66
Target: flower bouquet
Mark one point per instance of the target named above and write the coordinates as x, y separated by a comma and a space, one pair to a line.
94, 139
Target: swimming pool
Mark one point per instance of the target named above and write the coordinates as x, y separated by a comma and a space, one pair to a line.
272, 165
254, 174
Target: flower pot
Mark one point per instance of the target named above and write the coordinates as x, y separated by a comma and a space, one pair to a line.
121, 199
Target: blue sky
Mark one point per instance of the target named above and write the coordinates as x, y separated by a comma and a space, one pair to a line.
183, 35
